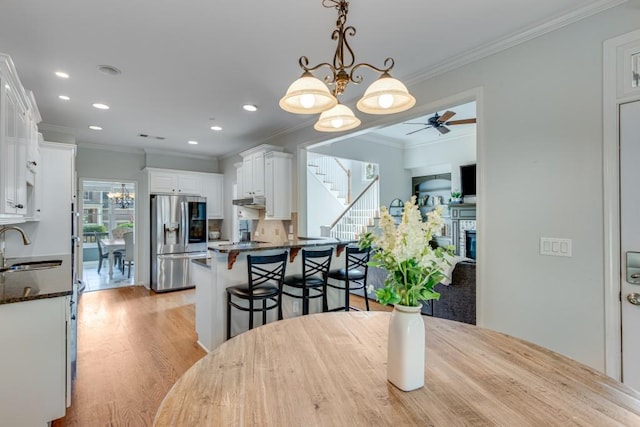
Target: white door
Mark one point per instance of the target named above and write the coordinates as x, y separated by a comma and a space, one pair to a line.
630, 241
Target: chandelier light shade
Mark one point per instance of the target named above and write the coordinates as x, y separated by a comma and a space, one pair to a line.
307, 95
386, 96
337, 119
310, 95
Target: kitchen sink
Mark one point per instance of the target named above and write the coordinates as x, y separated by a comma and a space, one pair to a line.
31, 266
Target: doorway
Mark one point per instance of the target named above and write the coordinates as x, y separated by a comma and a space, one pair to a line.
108, 226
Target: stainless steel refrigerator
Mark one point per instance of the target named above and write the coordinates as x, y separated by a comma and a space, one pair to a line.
178, 234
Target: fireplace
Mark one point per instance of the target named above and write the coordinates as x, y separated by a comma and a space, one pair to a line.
470, 244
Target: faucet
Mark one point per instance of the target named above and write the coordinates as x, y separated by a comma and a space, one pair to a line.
25, 241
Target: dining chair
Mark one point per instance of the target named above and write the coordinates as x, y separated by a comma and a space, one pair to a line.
265, 277
128, 252
353, 276
312, 283
102, 254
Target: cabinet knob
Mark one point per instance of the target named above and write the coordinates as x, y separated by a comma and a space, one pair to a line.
19, 206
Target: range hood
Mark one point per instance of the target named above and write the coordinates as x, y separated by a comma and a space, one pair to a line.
255, 202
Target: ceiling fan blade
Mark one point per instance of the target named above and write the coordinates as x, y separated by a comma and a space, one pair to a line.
461, 122
417, 130
411, 123
443, 130
446, 116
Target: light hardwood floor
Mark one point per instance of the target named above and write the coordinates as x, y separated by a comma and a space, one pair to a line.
133, 345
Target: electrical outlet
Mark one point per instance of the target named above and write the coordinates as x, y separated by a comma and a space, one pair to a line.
296, 307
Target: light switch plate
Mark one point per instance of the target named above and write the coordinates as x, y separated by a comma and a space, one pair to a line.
555, 246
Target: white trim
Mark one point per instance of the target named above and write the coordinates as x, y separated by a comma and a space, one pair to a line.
505, 43
611, 201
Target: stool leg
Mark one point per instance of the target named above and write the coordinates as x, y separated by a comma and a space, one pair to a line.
325, 304
305, 301
346, 295
280, 305
366, 298
264, 312
228, 315
251, 313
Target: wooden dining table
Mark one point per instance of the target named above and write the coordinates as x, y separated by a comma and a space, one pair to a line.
111, 245
329, 369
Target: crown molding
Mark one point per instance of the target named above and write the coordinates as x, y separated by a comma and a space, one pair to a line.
515, 39
109, 147
179, 154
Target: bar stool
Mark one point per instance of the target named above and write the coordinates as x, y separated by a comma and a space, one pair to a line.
313, 280
353, 276
265, 279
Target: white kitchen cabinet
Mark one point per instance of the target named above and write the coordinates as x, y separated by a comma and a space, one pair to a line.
278, 185
253, 170
253, 174
174, 182
34, 361
18, 119
213, 190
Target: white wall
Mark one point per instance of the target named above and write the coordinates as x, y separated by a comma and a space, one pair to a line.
441, 157
395, 181
541, 130
323, 207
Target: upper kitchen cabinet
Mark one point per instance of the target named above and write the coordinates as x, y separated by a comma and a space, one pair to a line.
213, 190
277, 183
253, 170
163, 181
18, 119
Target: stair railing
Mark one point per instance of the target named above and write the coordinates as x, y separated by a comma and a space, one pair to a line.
356, 217
331, 171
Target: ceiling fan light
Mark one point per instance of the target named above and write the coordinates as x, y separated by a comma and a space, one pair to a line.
307, 95
337, 119
386, 96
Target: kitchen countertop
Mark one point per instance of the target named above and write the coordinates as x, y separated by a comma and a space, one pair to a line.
203, 262
260, 246
36, 284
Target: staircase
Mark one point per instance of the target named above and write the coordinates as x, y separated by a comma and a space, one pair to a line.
358, 217
333, 175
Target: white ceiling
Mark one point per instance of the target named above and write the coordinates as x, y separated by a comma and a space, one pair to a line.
187, 65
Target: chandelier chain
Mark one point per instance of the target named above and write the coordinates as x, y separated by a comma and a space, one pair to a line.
343, 70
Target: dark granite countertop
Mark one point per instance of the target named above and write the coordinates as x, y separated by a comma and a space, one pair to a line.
295, 243
29, 285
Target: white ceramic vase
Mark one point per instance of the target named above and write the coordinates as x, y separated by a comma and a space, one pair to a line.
405, 354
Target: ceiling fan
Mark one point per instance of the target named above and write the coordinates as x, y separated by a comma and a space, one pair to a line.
440, 123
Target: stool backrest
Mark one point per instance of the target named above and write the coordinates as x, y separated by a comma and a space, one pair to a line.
316, 263
266, 269
358, 259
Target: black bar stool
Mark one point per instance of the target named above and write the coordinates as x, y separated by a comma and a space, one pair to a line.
353, 276
313, 280
265, 275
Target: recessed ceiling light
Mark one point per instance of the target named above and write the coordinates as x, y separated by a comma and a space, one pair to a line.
109, 69
64, 97
193, 142
92, 127
62, 74
101, 106
250, 107
216, 127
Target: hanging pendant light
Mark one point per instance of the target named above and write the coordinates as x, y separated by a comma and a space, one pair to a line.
337, 119
309, 95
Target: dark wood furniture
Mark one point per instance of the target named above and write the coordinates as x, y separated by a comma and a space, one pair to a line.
312, 283
353, 277
265, 278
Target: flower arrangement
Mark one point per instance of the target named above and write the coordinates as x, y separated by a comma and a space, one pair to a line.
404, 251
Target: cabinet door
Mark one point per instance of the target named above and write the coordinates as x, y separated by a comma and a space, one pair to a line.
163, 182
212, 190
278, 186
247, 177
190, 184
258, 174
22, 123
9, 149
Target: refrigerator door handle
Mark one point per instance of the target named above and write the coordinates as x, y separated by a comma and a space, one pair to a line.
184, 208
183, 255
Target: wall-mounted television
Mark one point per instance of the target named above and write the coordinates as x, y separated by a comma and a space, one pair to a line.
468, 180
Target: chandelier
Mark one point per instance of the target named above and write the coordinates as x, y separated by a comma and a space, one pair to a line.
309, 95
122, 199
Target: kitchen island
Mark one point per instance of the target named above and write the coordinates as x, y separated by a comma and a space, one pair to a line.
227, 266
